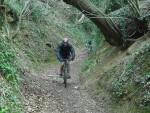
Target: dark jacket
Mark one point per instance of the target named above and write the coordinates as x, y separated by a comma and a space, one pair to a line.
65, 52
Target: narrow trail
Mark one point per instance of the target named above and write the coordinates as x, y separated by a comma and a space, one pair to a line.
44, 94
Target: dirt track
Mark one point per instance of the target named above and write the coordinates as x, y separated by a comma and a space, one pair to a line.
44, 94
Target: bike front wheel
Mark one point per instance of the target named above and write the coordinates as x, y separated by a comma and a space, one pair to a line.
65, 73
65, 77
65, 81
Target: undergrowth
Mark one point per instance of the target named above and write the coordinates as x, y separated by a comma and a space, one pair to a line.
39, 23
9, 79
127, 82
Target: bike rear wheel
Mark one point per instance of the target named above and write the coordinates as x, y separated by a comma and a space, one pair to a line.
65, 73
65, 76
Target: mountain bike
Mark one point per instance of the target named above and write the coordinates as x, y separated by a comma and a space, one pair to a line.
89, 47
65, 71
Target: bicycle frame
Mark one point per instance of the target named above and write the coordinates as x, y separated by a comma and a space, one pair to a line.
65, 72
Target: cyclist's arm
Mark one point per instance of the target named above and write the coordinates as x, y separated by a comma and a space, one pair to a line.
58, 53
72, 52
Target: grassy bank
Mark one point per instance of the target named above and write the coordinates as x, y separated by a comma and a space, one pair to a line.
122, 77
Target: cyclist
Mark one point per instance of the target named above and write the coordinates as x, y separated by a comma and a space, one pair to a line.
89, 47
65, 51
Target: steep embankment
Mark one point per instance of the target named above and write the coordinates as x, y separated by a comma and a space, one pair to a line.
24, 52
121, 77
26, 28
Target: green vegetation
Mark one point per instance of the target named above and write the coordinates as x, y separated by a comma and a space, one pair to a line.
15, 52
9, 80
23, 46
109, 5
126, 80
25, 42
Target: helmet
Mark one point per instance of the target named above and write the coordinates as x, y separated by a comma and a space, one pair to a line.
65, 40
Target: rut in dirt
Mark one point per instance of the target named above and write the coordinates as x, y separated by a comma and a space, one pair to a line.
44, 94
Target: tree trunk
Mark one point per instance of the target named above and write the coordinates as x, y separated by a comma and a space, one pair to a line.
111, 32
136, 22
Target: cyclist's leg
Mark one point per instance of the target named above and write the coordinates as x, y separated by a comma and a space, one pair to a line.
68, 69
61, 68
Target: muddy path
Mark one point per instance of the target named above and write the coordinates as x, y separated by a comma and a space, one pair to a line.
46, 94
